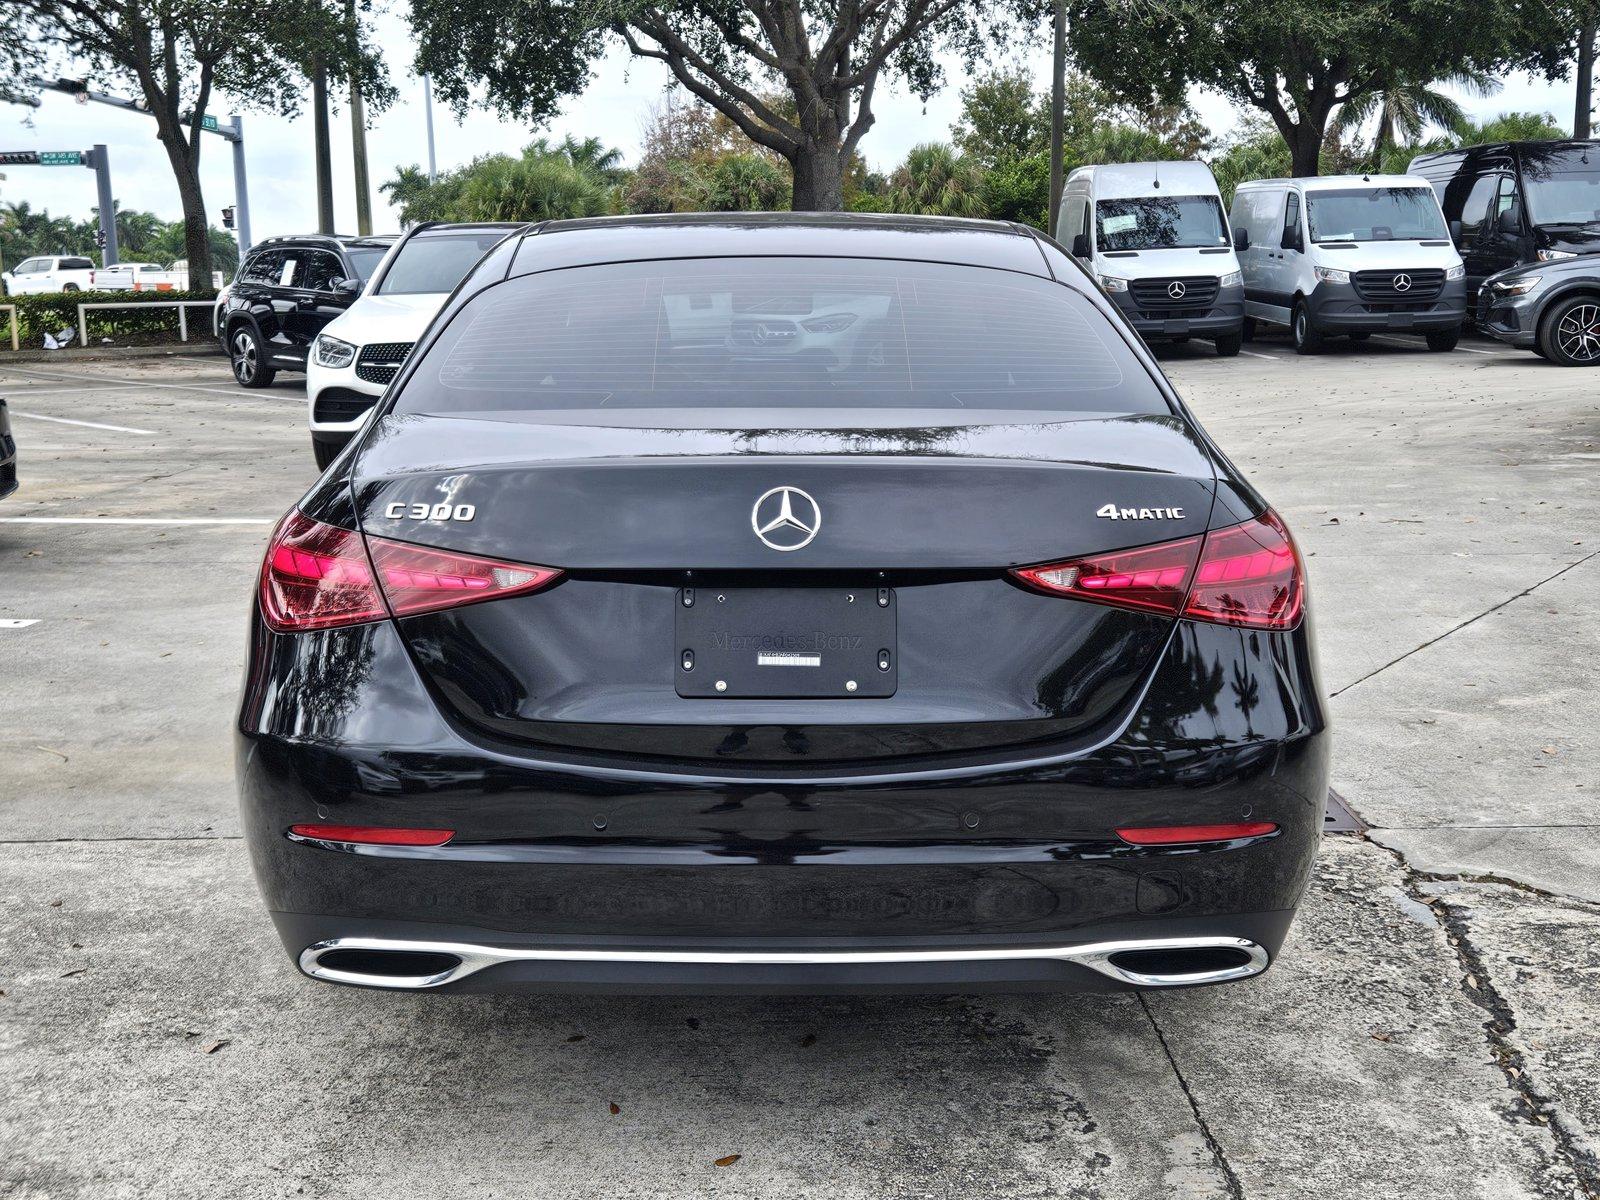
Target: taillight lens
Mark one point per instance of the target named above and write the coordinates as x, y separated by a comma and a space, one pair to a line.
1152, 578
1187, 835
1247, 575
318, 576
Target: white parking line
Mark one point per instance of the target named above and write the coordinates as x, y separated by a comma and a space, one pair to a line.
1256, 354
136, 520
86, 424
17, 622
236, 394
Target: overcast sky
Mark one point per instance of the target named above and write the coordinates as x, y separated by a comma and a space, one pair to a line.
613, 108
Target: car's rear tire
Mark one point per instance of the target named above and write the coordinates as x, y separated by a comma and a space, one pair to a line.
1307, 339
249, 360
69, 287
1228, 344
1444, 339
1247, 331
1569, 333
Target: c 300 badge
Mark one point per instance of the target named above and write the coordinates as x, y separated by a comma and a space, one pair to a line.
1113, 513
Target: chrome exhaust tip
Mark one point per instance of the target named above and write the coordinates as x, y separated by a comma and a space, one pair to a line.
406, 965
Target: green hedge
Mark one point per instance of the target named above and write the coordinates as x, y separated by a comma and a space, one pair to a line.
52, 312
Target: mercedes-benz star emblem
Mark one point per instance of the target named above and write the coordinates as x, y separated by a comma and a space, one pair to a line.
1402, 283
1176, 290
786, 518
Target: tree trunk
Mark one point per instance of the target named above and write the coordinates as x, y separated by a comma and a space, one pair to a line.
818, 178
1584, 101
321, 147
186, 172
1305, 148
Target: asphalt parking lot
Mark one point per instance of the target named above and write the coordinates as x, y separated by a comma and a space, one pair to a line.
1431, 1030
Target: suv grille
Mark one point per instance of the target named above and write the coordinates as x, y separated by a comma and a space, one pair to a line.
379, 361
1396, 291
1197, 293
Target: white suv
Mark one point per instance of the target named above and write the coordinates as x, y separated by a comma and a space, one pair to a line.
47, 273
359, 352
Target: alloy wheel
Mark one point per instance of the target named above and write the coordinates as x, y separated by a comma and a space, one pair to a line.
1578, 335
244, 357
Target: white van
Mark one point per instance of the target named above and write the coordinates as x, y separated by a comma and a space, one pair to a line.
1155, 236
1348, 254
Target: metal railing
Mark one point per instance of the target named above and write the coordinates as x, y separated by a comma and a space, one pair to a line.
181, 305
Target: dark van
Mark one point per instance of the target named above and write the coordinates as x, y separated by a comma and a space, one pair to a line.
1517, 202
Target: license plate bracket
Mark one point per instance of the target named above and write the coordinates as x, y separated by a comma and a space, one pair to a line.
786, 643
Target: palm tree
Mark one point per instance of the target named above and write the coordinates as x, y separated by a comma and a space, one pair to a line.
1406, 107
936, 180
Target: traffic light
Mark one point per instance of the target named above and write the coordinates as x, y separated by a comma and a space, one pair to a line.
227, 217
100, 239
18, 158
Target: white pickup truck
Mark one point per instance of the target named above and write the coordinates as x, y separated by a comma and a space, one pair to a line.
148, 277
49, 273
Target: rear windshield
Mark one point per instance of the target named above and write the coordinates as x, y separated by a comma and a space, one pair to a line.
780, 333
365, 259
436, 262
1381, 214
1159, 223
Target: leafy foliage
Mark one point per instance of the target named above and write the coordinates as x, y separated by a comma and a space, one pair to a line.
574, 179
25, 232
936, 180
52, 312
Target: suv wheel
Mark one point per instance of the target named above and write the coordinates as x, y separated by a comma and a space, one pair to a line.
249, 363
1306, 338
69, 287
1569, 334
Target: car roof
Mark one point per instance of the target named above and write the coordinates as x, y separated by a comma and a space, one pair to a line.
1179, 177
592, 240
326, 239
1322, 183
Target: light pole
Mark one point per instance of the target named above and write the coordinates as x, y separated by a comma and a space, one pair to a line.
1058, 101
427, 109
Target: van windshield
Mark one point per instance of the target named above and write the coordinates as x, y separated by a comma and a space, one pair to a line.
1379, 214
1569, 198
1159, 223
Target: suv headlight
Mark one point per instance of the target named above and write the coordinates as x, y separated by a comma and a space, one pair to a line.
1332, 275
1112, 284
1231, 279
331, 352
1556, 255
1456, 272
1516, 287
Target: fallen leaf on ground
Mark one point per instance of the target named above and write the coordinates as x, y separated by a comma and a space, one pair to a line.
217, 1045
727, 1160
57, 753
614, 1108
810, 1039
577, 1037
78, 971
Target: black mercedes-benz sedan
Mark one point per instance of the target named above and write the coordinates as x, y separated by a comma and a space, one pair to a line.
781, 603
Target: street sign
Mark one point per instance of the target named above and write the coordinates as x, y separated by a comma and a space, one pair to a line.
61, 158
208, 122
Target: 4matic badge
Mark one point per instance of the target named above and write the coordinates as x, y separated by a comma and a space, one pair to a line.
1112, 512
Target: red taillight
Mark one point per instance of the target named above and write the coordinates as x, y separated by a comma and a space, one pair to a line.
1178, 835
1152, 578
1249, 575
416, 579
373, 835
1245, 575
318, 576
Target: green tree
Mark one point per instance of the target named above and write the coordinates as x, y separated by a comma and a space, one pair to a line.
1406, 108
1295, 61
937, 181
1003, 119
543, 183
828, 59
174, 55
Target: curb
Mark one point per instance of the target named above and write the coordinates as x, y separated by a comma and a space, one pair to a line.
204, 347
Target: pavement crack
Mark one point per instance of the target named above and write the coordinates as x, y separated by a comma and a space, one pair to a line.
1500, 1022
1229, 1179
1469, 621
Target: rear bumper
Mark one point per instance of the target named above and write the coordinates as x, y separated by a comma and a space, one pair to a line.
1339, 308
627, 870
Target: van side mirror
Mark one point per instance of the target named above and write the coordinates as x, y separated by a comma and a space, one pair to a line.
1080, 245
1455, 231
1291, 239
1241, 240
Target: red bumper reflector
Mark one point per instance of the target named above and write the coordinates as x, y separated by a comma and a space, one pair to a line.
373, 835
1178, 835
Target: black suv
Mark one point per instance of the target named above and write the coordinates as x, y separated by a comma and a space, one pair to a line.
287, 289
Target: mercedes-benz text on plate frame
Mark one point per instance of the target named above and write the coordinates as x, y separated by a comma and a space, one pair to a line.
559, 680
786, 518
